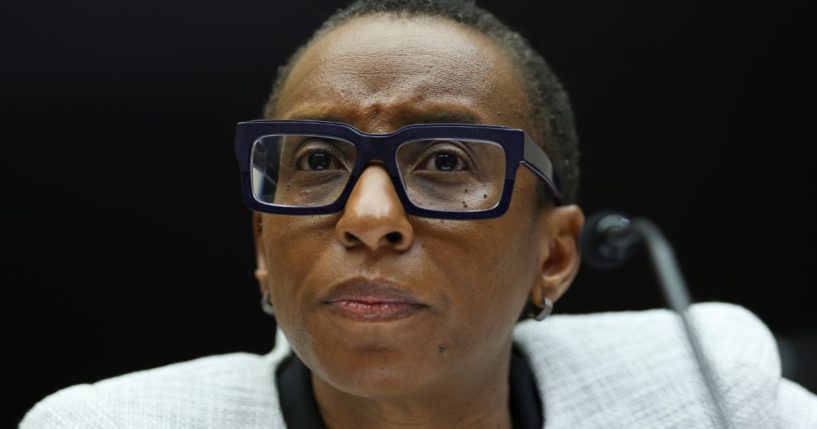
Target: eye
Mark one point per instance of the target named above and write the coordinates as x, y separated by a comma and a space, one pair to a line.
318, 156
319, 161
446, 159
447, 162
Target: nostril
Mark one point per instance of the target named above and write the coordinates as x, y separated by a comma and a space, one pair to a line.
350, 238
394, 237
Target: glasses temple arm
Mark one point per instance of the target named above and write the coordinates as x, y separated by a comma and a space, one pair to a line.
537, 161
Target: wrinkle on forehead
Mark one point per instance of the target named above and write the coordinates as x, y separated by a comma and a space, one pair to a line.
386, 117
376, 64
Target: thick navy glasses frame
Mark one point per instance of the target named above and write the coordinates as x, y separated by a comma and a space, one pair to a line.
519, 150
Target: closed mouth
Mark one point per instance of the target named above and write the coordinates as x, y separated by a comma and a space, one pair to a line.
372, 300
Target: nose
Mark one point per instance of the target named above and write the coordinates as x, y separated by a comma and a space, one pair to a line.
374, 217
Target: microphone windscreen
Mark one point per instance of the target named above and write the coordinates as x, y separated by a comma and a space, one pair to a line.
606, 240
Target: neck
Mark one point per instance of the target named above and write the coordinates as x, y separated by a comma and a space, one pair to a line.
471, 399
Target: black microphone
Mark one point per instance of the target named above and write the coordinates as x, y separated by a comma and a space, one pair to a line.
608, 240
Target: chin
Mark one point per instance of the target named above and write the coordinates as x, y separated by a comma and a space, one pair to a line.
371, 362
376, 373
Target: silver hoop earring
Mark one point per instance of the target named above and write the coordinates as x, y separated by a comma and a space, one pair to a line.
545, 311
266, 304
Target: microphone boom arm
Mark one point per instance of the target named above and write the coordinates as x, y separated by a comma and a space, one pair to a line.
608, 240
675, 291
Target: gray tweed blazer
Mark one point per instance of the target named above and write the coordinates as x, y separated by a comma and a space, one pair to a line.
604, 370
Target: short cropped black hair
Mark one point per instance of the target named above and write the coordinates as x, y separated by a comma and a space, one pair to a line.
548, 101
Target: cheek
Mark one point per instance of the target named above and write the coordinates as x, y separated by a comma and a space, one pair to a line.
488, 268
488, 262
501, 266
297, 247
294, 246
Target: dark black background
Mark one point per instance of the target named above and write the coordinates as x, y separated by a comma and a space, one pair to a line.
126, 245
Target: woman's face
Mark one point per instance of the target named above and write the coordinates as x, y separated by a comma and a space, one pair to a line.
379, 303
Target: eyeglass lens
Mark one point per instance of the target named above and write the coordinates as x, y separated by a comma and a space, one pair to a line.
437, 174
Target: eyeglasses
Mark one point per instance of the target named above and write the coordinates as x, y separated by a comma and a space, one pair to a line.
449, 171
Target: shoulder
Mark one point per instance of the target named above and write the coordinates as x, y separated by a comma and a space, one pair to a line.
732, 334
232, 390
625, 369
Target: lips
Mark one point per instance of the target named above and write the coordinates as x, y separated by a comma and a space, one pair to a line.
372, 301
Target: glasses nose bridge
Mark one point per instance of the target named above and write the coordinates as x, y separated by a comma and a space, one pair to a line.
376, 148
379, 149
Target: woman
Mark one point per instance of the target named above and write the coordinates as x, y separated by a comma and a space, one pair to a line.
398, 256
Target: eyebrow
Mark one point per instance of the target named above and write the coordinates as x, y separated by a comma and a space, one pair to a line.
408, 119
442, 118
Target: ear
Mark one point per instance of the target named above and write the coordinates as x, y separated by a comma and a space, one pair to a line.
261, 272
559, 254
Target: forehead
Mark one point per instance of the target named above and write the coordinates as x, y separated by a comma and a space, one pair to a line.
379, 72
